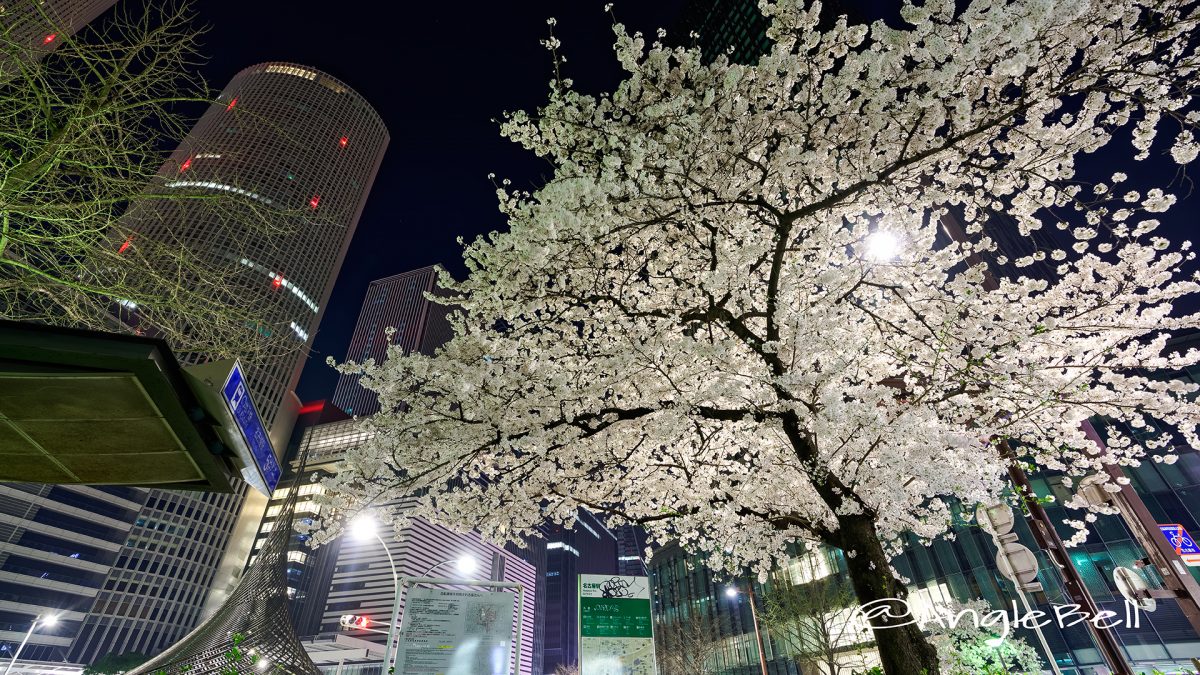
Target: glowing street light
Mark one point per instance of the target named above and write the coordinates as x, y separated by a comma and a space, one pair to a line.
48, 621
732, 592
363, 528
883, 246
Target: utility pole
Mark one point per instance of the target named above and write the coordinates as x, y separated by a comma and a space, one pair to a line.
1039, 522
1160, 555
1049, 541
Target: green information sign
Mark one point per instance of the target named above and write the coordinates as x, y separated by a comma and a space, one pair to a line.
615, 633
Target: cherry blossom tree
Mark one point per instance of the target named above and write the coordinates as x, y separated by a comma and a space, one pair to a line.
733, 314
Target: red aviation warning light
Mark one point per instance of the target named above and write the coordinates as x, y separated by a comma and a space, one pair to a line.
187, 163
231, 104
344, 140
277, 281
125, 246
316, 199
49, 38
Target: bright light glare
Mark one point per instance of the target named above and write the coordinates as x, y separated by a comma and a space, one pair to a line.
49, 620
263, 663
883, 246
731, 592
363, 527
467, 564
994, 642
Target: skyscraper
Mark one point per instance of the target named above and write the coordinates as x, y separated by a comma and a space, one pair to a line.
392, 302
586, 547
301, 144
631, 550
282, 137
40, 26
347, 576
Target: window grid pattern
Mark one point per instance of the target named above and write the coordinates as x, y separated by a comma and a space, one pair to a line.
300, 144
40, 26
393, 302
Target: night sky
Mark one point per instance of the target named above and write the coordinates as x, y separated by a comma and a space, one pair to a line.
439, 73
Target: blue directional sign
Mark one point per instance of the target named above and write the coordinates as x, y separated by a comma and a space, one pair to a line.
1182, 542
237, 396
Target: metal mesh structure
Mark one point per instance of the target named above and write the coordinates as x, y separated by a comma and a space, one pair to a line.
257, 611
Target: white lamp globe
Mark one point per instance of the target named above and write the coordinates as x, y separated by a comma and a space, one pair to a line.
467, 564
363, 527
883, 246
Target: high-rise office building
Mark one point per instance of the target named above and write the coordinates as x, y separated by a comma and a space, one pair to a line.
586, 547
39, 26
631, 550
347, 576
305, 147
282, 137
738, 29
396, 302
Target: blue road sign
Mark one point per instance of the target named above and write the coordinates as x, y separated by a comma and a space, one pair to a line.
238, 397
1182, 542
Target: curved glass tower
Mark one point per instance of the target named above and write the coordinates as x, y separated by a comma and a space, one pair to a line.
129, 569
297, 150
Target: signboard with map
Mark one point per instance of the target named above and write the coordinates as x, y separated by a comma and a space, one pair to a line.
615, 634
453, 632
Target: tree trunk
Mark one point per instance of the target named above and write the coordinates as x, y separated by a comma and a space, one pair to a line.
903, 649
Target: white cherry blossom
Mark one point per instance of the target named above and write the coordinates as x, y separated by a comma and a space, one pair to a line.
693, 324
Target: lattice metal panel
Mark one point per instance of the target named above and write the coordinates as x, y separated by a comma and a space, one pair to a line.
257, 610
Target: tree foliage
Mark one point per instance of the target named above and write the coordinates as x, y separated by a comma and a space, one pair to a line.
114, 664
810, 613
967, 649
733, 314
83, 133
687, 644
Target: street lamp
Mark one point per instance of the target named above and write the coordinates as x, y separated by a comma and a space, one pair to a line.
48, 620
882, 246
996, 643
732, 592
363, 528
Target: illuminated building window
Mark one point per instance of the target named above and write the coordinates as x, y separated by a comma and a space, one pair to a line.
292, 70
558, 544
218, 186
300, 332
282, 282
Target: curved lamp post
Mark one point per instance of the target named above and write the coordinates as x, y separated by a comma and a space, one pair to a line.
46, 620
732, 592
364, 527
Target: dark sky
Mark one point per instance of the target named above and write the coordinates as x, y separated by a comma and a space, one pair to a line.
438, 73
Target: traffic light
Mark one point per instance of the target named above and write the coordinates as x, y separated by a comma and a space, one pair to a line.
355, 621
